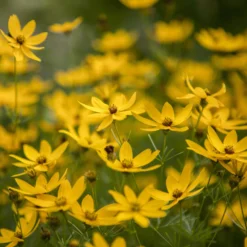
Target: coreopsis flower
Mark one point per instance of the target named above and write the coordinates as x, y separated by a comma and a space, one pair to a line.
40, 160
42, 186
220, 41
86, 213
116, 110
99, 241
173, 32
22, 231
219, 120
229, 149
128, 163
202, 96
114, 42
166, 119
106, 90
65, 199
84, 138
180, 186
21, 40
138, 4
66, 27
139, 208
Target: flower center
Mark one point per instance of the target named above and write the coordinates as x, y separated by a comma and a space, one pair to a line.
18, 234
167, 121
41, 160
90, 216
61, 201
229, 149
135, 207
127, 163
112, 109
177, 193
20, 39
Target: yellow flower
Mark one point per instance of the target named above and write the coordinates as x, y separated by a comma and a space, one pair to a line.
84, 138
118, 41
66, 27
229, 149
86, 213
180, 186
138, 4
66, 197
202, 96
166, 119
22, 40
220, 41
22, 231
41, 186
40, 160
99, 241
105, 91
117, 110
137, 208
173, 32
128, 163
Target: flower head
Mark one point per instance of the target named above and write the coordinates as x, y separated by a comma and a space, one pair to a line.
128, 163
138, 4
166, 119
66, 27
21, 40
140, 208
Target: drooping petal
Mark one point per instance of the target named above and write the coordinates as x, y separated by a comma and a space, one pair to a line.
141, 220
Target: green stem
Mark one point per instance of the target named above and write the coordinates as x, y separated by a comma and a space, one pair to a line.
242, 210
160, 235
16, 97
134, 179
67, 222
94, 193
137, 238
115, 133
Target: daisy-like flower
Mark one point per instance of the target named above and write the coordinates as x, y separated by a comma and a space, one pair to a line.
86, 213
22, 231
180, 186
66, 27
117, 110
140, 208
40, 160
84, 138
22, 40
66, 197
42, 186
166, 119
99, 241
202, 96
128, 163
138, 4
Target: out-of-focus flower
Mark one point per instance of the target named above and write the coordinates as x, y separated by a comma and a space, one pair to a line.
117, 110
106, 90
180, 186
140, 208
99, 241
113, 42
166, 120
66, 27
86, 213
173, 32
66, 197
221, 41
138, 4
128, 163
21, 40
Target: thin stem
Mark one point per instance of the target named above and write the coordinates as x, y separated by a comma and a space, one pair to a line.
16, 97
241, 205
115, 133
180, 221
137, 188
137, 238
197, 123
160, 235
18, 218
67, 222
94, 193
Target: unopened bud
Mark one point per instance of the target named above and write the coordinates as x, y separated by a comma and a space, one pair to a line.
53, 221
90, 176
74, 243
45, 233
234, 181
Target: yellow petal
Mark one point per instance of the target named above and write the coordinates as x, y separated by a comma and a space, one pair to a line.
241, 145
153, 113
14, 26
185, 176
167, 111
59, 151
29, 28
45, 148
105, 123
129, 104
119, 198
231, 138
78, 188
27, 52
145, 120
30, 152
99, 104
130, 194
126, 152
119, 242
141, 220
87, 204
215, 140
37, 39
183, 115
98, 240
64, 189
23, 185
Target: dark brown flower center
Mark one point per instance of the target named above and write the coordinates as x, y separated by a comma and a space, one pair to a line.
177, 193
41, 159
167, 122
61, 201
20, 39
18, 234
229, 149
135, 207
112, 109
90, 216
127, 163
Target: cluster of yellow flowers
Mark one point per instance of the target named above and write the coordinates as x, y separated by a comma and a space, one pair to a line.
99, 119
